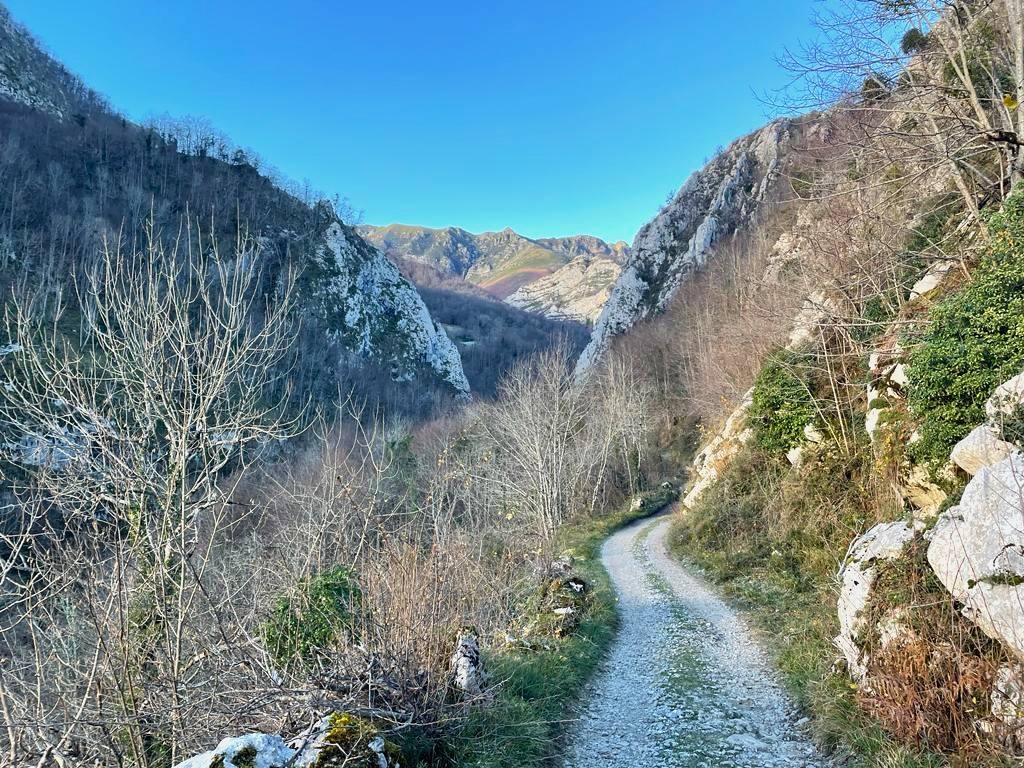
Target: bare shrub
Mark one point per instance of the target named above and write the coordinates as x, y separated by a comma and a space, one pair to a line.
117, 449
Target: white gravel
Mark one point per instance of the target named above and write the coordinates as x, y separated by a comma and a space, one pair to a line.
685, 684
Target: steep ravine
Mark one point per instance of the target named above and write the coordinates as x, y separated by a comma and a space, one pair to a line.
686, 683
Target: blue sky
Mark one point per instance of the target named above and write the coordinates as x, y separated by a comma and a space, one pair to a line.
554, 117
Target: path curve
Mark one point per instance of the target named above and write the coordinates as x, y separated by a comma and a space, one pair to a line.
686, 683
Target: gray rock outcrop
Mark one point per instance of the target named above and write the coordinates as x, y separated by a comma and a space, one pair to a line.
977, 551
468, 675
886, 541
712, 204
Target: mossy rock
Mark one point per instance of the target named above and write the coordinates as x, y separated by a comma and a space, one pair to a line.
254, 750
343, 739
559, 606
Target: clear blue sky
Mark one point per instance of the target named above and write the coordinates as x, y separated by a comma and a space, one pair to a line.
554, 117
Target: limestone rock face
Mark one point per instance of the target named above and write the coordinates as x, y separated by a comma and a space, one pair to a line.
712, 204
578, 291
981, 448
886, 541
367, 306
977, 551
715, 456
468, 674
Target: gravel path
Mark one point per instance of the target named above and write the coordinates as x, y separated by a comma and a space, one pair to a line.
685, 683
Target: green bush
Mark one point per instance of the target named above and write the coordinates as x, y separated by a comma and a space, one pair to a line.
321, 613
782, 403
914, 41
974, 342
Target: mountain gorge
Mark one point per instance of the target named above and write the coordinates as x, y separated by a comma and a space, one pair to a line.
506, 265
280, 490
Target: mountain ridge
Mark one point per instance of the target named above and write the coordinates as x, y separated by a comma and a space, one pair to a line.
356, 305
714, 202
504, 263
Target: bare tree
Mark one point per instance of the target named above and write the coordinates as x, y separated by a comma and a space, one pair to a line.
551, 442
935, 85
118, 448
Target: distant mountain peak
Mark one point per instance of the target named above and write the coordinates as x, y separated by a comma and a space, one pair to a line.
505, 263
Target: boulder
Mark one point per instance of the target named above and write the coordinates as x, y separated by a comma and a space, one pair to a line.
467, 665
265, 750
1007, 398
338, 740
977, 551
343, 740
982, 448
886, 541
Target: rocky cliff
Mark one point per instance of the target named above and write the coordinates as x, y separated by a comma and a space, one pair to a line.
31, 77
370, 308
713, 203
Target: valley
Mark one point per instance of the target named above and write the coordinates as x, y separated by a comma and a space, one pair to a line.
280, 489
562, 278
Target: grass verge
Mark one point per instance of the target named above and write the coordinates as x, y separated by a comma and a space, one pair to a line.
760, 535
525, 725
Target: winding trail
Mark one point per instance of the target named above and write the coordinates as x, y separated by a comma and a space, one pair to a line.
685, 684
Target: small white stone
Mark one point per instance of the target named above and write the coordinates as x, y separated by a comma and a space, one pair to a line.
795, 455
812, 434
